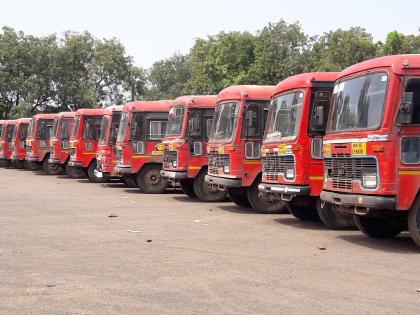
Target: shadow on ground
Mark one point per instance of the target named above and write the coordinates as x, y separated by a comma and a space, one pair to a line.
401, 244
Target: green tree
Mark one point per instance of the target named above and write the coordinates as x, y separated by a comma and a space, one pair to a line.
278, 53
220, 61
398, 43
339, 49
168, 77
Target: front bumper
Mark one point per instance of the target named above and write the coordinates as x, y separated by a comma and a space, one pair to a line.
31, 159
17, 158
176, 176
123, 170
54, 161
75, 164
224, 182
292, 190
362, 201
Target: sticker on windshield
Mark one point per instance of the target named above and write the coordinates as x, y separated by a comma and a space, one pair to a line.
341, 86
335, 89
383, 78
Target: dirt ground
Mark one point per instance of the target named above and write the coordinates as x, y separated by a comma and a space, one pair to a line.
61, 253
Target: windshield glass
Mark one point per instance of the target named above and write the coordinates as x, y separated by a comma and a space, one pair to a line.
23, 131
10, 132
175, 120
91, 127
358, 103
64, 129
31, 128
75, 127
1, 131
136, 127
224, 121
55, 128
123, 127
115, 124
284, 117
104, 130
44, 128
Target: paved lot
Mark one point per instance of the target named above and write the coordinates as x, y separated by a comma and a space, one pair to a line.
60, 253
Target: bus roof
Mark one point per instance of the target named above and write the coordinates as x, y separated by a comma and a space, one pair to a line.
90, 111
44, 116
113, 108
196, 101
148, 106
305, 80
398, 64
24, 120
251, 92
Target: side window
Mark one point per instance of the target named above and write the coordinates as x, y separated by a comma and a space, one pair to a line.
413, 89
319, 111
157, 129
410, 150
252, 122
194, 123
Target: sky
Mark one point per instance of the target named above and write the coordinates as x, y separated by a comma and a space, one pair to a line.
156, 29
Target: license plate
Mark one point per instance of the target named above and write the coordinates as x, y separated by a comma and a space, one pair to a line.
358, 148
98, 173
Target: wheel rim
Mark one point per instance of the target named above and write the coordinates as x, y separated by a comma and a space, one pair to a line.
154, 178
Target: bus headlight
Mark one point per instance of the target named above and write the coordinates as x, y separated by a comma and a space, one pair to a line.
369, 180
226, 169
175, 164
290, 173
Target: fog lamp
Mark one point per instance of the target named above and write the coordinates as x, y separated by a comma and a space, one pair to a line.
226, 169
369, 180
175, 164
290, 173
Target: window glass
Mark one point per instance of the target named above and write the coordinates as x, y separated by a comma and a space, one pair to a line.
91, 127
410, 150
413, 86
23, 131
251, 124
10, 131
358, 103
157, 130
64, 128
136, 130
104, 130
175, 120
225, 119
122, 129
209, 124
284, 116
44, 129
115, 125
31, 128
75, 127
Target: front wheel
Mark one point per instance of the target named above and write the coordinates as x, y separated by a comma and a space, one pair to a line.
261, 204
303, 209
187, 188
91, 173
51, 169
74, 172
33, 166
129, 181
331, 218
150, 181
238, 196
414, 223
205, 192
377, 227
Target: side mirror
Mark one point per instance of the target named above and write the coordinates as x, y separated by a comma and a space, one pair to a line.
405, 111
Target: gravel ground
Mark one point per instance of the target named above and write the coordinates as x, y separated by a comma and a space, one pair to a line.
61, 253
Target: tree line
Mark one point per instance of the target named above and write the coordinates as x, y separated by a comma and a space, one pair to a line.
53, 74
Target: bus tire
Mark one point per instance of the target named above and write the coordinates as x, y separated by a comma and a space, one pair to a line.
238, 196
331, 218
91, 173
187, 188
377, 227
261, 204
304, 212
205, 192
150, 181
129, 181
414, 221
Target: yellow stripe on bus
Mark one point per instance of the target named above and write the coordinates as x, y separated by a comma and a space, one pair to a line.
194, 167
316, 177
252, 162
140, 156
407, 172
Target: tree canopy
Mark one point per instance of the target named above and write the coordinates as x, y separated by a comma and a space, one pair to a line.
63, 73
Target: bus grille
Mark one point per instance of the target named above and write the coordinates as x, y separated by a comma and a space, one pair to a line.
343, 169
217, 161
275, 165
